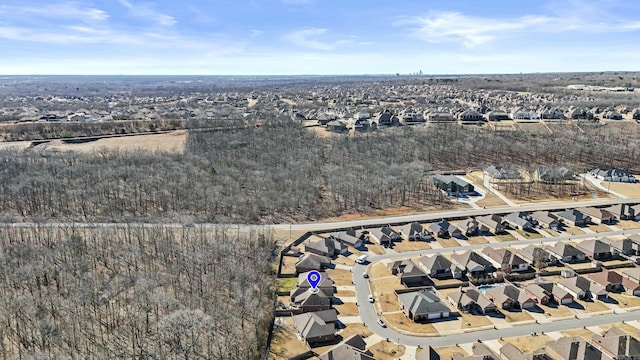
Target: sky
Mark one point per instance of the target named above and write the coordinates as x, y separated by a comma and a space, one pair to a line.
298, 37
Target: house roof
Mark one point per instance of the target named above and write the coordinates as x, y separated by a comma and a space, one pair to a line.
325, 281
422, 302
309, 297
574, 348
352, 348
594, 246
574, 215
606, 277
312, 325
563, 249
534, 253
312, 261
470, 259
435, 262
447, 179
503, 256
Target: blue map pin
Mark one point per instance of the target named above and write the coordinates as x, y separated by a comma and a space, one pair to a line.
314, 278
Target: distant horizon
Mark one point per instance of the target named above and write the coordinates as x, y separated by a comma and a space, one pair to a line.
324, 37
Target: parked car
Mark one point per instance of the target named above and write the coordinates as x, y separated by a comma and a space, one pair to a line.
371, 300
381, 323
365, 275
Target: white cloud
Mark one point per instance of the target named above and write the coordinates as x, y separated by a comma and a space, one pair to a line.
67, 10
146, 12
308, 38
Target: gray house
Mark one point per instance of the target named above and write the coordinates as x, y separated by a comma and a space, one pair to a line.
423, 305
439, 267
614, 175
574, 217
566, 253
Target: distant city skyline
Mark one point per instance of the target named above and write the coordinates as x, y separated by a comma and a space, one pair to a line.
317, 37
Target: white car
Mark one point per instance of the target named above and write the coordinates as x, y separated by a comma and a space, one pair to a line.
371, 300
381, 323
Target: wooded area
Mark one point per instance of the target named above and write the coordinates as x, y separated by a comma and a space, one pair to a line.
281, 172
155, 292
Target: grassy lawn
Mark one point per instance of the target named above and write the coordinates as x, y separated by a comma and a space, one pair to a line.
560, 311
633, 331
551, 232
347, 309
476, 240
504, 237
593, 306
287, 284
405, 246
387, 350
285, 343
450, 242
529, 235
587, 334
628, 224
353, 329
288, 265
399, 321
376, 249
469, 321
527, 344
625, 300
379, 270
516, 316
340, 277
386, 285
345, 293
572, 230
599, 228
388, 302
630, 190
344, 261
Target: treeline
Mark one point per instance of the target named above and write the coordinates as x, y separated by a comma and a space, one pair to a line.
281, 172
155, 292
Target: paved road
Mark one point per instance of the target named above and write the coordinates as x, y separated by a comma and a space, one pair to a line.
451, 214
369, 316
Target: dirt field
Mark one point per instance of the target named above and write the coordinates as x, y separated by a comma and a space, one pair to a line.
171, 142
288, 264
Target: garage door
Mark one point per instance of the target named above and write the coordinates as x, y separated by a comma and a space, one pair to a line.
445, 314
433, 316
566, 301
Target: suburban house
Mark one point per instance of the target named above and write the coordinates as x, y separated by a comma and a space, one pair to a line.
558, 295
631, 281
624, 246
328, 247
310, 300
471, 227
470, 116
325, 284
471, 301
511, 352
505, 260
388, 119
624, 211
538, 293
312, 261
353, 348
572, 348
519, 220
544, 219
574, 217
538, 257
491, 222
349, 238
552, 175
439, 267
566, 253
497, 116
611, 280
444, 229
316, 327
452, 185
474, 264
509, 297
617, 344
440, 117
597, 215
613, 175
416, 232
502, 172
596, 249
583, 288
423, 305
479, 351
409, 274
632, 274
391, 233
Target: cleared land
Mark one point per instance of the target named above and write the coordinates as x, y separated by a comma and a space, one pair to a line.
172, 142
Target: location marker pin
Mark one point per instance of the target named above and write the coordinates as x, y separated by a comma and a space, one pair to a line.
314, 279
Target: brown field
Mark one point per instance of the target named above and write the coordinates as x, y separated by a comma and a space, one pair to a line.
386, 285
625, 300
529, 235
473, 321
340, 277
347, 309
285, 237
285, 343
379, 270
376, 249
560, 311
450, 242
345, 293
599, 228
626, 189
572, 230
586, 334
405, 246
399, 321
387, 350
172, 142
517, 316
633, 331
628, 224
477, 240
528, 344
288, 264
353, 329
593, 306
388, 302
504, 237
344, 261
